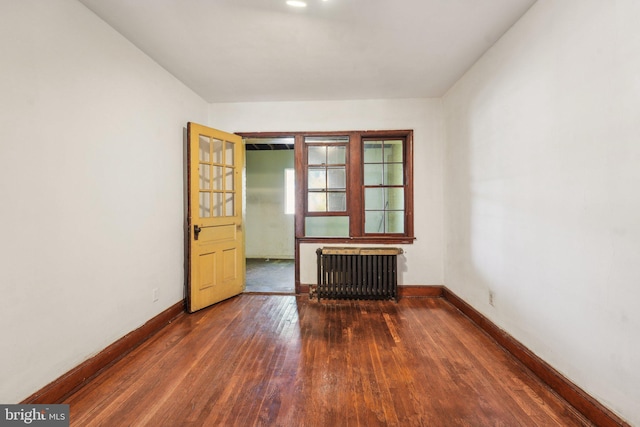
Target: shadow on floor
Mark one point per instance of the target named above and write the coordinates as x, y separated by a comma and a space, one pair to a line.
270, 276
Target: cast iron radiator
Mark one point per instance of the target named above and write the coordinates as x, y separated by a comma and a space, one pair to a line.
357, 273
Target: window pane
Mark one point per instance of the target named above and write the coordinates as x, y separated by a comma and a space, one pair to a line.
372, 174
262, 142
229, 179
380, 183
336, 155
393, 174
374, 222
217, 151
317, 179
394, 222
337, 202
374, 199
373, 152
393, 152
205, 177
230, 204
317, 155
230, 149
205, 204
217, 204
336, 178
289, 191
317, 202
326, 139
394, 198
217, 177
327, 226
205, 146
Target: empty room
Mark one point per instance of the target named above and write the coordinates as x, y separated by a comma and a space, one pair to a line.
483, 153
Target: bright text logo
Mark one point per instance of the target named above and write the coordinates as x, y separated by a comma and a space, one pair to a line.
34, 415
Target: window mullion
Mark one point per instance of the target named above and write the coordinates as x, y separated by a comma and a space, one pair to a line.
355, 184
301, 184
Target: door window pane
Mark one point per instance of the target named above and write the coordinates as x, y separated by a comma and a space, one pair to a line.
217, 150
205, 177
229, 180
204, 148
205, 204
217, 178
230, 204
217, 204
230, 149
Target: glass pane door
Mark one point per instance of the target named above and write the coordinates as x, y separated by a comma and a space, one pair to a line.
217, 169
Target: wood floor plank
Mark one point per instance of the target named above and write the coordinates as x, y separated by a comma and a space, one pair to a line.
270, 360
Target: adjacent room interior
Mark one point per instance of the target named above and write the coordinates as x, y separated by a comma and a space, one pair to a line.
270, 207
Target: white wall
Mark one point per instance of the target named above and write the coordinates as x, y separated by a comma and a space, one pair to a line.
422, 262
91, 189
542, 183
270, 232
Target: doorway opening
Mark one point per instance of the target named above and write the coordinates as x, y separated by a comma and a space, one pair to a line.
269, 221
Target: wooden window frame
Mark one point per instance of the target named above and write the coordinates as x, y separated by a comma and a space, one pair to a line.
355, 185
305, 175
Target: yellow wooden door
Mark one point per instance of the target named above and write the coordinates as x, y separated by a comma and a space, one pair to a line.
216, 237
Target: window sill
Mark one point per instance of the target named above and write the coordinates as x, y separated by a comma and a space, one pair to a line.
395, 240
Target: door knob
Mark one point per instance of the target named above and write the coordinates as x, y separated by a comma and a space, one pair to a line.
196, 232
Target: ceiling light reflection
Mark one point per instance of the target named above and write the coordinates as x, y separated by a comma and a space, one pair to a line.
296, 3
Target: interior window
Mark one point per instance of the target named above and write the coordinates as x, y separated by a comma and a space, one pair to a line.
352, 186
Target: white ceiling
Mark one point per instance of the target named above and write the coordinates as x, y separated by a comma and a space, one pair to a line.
264, 50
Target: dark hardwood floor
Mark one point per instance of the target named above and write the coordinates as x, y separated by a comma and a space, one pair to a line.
272, 360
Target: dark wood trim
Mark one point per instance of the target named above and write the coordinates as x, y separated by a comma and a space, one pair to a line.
416, 291
355, 188
189, 221
303, 289
360, 240
57, 390
296, 261
578, 398
298, 159
355, 185
408, 173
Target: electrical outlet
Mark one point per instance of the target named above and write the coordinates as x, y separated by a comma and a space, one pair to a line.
155, 294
